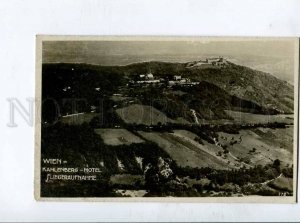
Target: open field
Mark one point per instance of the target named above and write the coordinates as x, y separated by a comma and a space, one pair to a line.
118, 98
183, 148
249, 118
142, 114
184, 152
116, 137
78, 119
212, 149
282, 183
282, 138
260, 146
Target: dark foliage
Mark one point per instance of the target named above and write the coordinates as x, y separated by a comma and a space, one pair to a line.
71, 88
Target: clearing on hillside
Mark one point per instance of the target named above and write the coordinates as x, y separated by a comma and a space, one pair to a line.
214, 150
261, 145
184, 152
142, 114
249, 118
282, 183
116, 137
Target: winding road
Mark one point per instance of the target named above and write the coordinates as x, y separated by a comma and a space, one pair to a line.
195, 116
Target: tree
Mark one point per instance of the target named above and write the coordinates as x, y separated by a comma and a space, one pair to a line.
276, 163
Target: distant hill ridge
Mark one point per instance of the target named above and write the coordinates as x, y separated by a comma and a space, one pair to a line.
262, 88
241, 81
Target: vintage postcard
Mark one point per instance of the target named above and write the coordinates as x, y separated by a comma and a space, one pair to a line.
184, 119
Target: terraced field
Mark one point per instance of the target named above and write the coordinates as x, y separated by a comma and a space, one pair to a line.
186, 153
261, 145
213, 149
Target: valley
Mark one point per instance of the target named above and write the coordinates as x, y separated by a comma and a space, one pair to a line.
203, 128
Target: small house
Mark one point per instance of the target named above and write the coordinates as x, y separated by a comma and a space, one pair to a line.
149, 76
177, 77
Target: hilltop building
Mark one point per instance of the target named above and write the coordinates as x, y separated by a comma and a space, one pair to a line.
146, 79
208, 62
149, 76
177, 77
178, 80
218, 61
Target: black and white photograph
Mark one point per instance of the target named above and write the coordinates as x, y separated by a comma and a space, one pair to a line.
149, 111
163, 118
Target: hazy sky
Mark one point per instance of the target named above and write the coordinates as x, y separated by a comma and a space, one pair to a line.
274, 56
